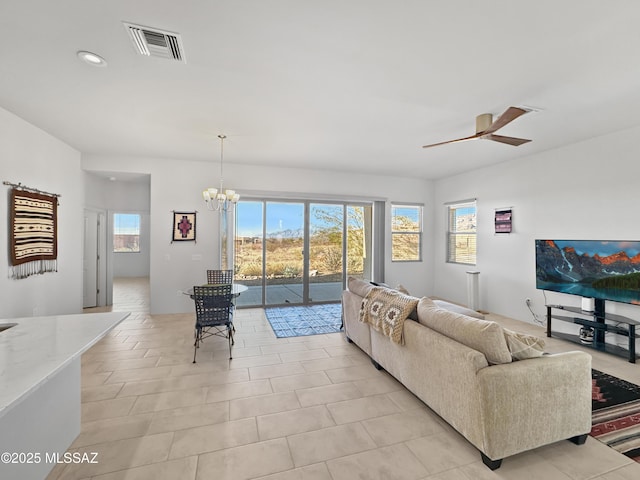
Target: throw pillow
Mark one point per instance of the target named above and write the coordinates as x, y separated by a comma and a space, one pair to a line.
523, 346
414, 313
484, 336
386, 310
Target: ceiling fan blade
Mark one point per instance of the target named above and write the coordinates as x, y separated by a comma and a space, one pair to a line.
457, 140
508, 116
508, 140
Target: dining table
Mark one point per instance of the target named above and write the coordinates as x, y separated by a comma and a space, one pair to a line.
236, 289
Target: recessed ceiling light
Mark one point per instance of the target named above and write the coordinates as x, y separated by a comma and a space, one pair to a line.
92, 59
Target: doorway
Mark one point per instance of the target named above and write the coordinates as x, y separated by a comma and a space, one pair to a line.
300, 252
109, 193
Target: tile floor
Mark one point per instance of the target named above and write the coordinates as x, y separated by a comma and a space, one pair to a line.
304, 408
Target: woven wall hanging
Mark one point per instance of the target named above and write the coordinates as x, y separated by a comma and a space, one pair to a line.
184, 227
33, 238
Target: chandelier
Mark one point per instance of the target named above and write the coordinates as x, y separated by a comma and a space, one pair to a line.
220, 199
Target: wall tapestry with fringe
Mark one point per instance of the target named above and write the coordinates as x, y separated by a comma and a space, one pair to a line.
33, 233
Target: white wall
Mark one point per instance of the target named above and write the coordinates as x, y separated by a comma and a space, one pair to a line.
587, 190
34, 158
177, 185
122, 197
582, 191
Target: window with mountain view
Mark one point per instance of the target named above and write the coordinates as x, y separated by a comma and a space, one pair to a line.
461, 234
406, 233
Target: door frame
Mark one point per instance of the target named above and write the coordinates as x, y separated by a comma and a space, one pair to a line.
101, 260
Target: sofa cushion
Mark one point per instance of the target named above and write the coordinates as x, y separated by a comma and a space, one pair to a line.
359, 287
459, 309
523, 346
484, 336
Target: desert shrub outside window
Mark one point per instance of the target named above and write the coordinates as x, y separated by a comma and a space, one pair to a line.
126, 232
406, 233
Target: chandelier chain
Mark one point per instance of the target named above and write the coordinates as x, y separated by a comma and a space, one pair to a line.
220, 199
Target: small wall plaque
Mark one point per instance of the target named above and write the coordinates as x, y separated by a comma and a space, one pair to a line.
503, 220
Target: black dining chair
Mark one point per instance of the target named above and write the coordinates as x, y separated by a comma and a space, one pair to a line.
216, 277
214, 314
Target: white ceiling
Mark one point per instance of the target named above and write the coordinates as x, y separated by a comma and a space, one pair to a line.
338, 84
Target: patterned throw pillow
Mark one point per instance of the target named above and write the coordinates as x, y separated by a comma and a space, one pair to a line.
386, 310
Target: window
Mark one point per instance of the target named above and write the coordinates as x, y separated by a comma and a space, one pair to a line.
461, 234
406, 233
126, 232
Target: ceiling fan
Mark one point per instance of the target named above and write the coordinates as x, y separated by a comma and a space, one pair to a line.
486, 128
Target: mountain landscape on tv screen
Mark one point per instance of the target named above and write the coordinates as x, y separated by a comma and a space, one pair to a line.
590, 268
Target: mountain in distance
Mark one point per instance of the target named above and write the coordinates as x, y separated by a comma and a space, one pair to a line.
286, 233
566, 265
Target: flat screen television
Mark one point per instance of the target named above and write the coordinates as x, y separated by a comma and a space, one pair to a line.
600, 269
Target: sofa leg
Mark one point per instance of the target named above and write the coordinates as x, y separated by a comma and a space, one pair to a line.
579, 439
349, 340
376, 364
492, 464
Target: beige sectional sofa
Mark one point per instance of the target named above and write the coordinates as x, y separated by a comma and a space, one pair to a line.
462, 368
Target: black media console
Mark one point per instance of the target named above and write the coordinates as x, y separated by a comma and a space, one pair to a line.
601, 322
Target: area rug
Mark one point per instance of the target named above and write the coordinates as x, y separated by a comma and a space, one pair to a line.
616, 413
298, 321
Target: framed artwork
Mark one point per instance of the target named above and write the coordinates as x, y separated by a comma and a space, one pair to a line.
503, 220
184, 227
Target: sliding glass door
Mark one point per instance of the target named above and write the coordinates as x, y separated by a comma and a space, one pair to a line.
359, 240
284, 253
326, 252
300, 252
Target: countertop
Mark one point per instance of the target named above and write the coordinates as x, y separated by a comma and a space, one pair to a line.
38, 347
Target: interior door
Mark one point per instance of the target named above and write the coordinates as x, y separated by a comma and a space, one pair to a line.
90, 260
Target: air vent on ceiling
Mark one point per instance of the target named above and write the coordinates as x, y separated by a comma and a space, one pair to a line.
156, 43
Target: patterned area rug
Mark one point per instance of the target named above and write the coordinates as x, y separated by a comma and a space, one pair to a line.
616, 413
305, 320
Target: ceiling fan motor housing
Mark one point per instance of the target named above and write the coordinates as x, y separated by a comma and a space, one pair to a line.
483, 121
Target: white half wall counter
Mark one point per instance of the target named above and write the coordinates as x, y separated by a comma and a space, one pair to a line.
40, 387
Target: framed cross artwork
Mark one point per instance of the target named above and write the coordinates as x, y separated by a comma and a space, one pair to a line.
184, 227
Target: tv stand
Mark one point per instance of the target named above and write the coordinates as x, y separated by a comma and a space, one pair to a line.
601, 322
